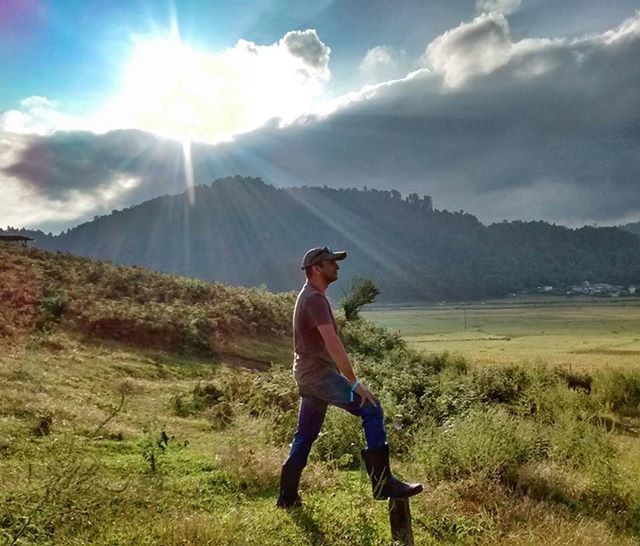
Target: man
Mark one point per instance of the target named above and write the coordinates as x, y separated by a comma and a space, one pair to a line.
324, 376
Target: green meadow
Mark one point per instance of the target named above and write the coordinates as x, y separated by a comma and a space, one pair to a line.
572, 333
141, 408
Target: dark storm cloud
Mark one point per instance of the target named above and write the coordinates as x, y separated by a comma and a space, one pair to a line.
70, 161
540, 128
534, 129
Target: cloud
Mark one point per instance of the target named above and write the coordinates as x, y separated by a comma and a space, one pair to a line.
381, 63
171, 89
37, 115
503, 129
25, 205
500, 6
526, 129
471, 49
306, 45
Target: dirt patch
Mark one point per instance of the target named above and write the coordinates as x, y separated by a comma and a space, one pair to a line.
611, 352
244, 362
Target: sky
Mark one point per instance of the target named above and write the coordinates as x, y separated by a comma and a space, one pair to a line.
507, 109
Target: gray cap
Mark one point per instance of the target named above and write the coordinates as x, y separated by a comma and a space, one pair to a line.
316, 255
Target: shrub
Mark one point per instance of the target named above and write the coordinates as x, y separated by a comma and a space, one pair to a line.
43, 425
174, 327
340, 439
576, 380
52, 307
369, 340
491, 444
201, 397
153, 445
619, 392
360, 292
578, 443
500, 385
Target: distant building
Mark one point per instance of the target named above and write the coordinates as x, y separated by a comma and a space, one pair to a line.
21, 239
588, 288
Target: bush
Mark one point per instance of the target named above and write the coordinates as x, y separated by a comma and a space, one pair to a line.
619, 392
200, 398
360, 292
500, 385
366, 339
174, 327
135, 305
491, 444
340, 439
52, 307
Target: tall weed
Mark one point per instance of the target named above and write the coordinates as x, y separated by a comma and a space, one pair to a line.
619, 391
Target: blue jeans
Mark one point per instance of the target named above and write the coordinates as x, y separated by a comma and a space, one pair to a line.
335, 390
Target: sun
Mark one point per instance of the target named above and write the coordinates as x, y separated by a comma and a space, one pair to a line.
174, 90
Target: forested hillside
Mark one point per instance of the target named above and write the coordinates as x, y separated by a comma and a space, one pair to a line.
243, 231
633, 227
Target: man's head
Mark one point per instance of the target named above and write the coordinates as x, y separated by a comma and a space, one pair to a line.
322, 263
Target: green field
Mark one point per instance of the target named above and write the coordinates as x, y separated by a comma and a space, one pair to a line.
580, 335
127, 417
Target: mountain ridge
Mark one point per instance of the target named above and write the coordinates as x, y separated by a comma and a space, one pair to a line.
240, 230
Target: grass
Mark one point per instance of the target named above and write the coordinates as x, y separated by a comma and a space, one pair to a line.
72, 486
215, 483
109, 440
586, 336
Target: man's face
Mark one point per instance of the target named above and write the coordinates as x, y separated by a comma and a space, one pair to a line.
329, 270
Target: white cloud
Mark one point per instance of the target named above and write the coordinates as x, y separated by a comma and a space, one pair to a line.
42, 194
501, 6
382, 63
22, 207
171, 89
379, 57
37, 115
471, 49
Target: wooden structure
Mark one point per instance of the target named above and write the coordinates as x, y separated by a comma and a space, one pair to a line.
400, 519
16, 239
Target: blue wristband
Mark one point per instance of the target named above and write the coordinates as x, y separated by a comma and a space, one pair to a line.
353, 388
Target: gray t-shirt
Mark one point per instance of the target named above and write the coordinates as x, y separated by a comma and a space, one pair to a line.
311, 358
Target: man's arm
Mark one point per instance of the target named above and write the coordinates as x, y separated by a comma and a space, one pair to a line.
337, 352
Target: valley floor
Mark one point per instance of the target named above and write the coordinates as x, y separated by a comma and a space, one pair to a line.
572, 333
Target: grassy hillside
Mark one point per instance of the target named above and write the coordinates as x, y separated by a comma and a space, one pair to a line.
40, 290
112, 437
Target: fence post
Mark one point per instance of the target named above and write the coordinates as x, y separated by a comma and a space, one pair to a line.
400, 519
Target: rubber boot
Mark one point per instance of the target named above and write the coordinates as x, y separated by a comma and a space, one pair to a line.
289, 482
383, 483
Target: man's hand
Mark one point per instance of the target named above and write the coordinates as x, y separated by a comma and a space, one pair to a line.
365, 394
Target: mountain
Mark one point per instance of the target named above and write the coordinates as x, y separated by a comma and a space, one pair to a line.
633, 227
243, 231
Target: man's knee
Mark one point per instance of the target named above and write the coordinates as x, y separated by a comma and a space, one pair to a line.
370, 411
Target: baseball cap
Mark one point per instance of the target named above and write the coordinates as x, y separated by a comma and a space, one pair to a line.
319, 254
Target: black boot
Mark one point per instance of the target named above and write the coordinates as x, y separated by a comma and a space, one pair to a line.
383, 484
289, 481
